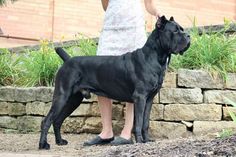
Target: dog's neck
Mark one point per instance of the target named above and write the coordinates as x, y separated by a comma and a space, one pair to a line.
154, 49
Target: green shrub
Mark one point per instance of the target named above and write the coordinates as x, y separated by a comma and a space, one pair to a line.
38, 68
214, 52
87, 46
8, 72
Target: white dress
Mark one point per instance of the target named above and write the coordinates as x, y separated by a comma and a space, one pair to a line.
124, 28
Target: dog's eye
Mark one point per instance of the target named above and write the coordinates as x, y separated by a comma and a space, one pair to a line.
176, 31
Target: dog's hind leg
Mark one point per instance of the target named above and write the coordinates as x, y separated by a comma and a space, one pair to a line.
73, 102
45, 125
57, 106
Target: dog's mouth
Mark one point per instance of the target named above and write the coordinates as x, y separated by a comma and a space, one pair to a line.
181, 52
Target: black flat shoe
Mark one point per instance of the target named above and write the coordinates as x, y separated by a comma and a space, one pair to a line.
121, 141
98, 141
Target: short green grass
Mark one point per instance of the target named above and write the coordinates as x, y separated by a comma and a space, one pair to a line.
225, 133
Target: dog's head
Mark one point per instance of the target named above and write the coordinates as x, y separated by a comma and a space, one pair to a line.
172, 36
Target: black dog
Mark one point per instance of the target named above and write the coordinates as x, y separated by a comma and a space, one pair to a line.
133, 77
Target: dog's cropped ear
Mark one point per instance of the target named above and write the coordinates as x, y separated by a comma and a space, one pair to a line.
171, 18
161, 22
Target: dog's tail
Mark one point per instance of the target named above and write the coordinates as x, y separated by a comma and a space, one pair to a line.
64, 56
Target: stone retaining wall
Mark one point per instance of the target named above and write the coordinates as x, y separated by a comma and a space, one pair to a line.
191, 102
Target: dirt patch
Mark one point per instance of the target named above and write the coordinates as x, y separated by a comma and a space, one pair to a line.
201, 147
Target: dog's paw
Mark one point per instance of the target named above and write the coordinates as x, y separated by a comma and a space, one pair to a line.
44, 145
139, 139
148, 140
62, 142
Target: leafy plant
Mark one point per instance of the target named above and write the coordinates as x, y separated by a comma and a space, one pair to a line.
8, 72
83, 46
39, 67
87, 46
212, 51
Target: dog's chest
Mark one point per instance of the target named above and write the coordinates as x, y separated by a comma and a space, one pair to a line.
157, 80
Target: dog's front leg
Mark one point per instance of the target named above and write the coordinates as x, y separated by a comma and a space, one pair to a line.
139, 106
146, 117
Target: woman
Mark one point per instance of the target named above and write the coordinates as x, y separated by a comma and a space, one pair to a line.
123, 31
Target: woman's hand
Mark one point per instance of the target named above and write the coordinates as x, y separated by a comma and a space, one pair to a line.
151, 8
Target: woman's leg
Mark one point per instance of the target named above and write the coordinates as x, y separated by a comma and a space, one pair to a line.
105, 105
106, 136
129, 119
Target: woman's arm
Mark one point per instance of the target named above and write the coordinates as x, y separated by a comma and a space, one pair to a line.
151, 8
105, 4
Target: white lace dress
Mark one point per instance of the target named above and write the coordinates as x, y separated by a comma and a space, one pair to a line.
124, 28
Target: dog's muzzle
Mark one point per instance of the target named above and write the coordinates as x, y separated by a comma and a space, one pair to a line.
185, 49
